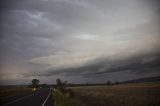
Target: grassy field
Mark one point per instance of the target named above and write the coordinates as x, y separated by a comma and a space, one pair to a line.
140, 94
14, 91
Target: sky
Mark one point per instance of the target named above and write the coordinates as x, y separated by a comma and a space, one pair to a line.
80, 41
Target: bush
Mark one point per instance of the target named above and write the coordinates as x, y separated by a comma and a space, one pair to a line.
61, 99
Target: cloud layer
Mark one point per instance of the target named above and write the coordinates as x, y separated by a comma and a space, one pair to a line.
88, 39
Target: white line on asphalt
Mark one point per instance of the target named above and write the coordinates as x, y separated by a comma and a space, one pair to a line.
19, 99
46, 98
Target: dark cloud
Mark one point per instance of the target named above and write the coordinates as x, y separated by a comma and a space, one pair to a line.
84, 38
141, 65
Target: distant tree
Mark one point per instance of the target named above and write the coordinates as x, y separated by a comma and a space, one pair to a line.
58, 82
35, 83
116, 82
87, 83
108, 83
65, 84
43, 85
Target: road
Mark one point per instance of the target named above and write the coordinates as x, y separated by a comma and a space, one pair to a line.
39, 98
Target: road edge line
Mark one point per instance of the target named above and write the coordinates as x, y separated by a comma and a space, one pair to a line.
19, 99
46, 98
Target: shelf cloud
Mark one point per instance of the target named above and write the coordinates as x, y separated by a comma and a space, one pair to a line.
78, 40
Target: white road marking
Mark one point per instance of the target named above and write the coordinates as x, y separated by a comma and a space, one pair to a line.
19, 99
46, 99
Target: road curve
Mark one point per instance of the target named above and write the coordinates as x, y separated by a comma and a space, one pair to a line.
40, 98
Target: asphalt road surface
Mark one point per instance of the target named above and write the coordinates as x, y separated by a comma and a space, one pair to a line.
39, 98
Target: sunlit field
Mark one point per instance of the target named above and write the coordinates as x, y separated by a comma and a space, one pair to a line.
141, 94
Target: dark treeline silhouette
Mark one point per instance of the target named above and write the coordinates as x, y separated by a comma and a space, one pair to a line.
64, 84
87, 84
109, 83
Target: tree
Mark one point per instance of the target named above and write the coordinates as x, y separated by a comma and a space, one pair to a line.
116, 83
35, 83
65, 84
108, 83
59, 82
61, 85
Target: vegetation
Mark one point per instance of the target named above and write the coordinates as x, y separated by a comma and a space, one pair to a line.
61, 99
35, 84
141, 94
11, 91
14, 91
118, 94
63, 96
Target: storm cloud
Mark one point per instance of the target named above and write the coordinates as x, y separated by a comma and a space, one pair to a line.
78, 40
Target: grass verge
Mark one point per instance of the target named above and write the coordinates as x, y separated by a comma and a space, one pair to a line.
65, 99
61, 99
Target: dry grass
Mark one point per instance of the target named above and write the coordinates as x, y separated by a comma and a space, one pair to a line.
141, 94
14, 91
